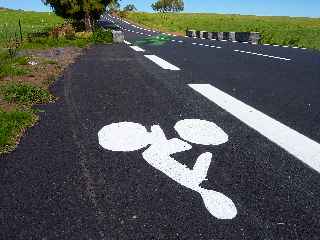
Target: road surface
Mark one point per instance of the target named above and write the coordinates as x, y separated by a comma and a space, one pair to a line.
167, 137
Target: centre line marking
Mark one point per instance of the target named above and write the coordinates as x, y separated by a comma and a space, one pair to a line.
137, 49
300, 146
162, 63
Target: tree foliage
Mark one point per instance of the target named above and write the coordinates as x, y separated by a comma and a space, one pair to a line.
114, 6
79, 10
130, 8
168, 6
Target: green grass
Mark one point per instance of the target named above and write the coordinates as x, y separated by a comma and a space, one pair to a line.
12, 124
25, 94
301, 32
31, 22
12, 67
48, 42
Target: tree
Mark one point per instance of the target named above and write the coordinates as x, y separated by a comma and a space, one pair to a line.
130, 8
114, 6
168, 6
79, 10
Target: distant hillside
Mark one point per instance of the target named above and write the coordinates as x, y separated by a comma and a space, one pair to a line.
294, 31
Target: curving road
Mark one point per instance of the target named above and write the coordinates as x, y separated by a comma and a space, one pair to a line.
168, 137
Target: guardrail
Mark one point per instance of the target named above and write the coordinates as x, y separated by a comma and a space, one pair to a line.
251, 37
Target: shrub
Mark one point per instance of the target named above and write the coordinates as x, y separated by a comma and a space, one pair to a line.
102, 36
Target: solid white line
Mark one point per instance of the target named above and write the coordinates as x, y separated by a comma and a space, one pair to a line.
137, 49
126, 42
290, 140
162, 63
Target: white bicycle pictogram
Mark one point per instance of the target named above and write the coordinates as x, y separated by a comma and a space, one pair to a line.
129, 136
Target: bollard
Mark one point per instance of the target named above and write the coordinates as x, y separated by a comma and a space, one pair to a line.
214, 35
204, 34
225, 35
243, 36
191, 33
220, 36
118, 36
232, 36
254, 37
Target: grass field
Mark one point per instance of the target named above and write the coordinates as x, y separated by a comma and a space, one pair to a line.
30, 21
301, 32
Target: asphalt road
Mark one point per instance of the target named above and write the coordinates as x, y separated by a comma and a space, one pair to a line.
117, 157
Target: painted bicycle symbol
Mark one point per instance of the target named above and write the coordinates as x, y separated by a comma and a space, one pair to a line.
129, 136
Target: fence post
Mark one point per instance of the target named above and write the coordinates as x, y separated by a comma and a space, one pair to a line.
20, 28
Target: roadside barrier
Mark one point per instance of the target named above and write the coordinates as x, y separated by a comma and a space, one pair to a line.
118, 36
250, 37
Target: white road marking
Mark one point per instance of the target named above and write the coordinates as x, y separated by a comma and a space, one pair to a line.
219, 47
262, 55
137, 49
129, 136
298, 145
126, 42
162, 63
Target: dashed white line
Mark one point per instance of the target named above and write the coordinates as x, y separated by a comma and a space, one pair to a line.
162, 63
262, 55
137, 49
298, 145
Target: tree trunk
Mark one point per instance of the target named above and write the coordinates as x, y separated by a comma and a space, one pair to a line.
87, 22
